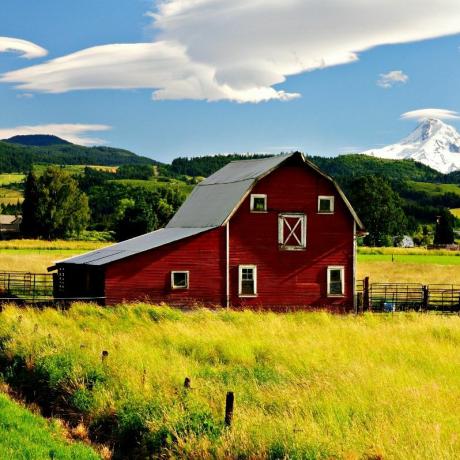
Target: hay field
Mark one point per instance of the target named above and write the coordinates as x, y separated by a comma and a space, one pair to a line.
307, 385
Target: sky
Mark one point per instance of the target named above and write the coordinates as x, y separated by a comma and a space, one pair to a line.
171, 78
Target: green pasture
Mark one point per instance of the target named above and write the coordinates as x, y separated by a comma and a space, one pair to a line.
453, 259
435, 189
24, 435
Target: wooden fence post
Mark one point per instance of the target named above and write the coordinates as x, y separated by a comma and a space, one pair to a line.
366, 302
426, 297
187, 383
229, 402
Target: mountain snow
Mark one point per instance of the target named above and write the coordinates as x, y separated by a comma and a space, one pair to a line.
433, 143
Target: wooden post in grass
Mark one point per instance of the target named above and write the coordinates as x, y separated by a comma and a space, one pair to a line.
187, 383
426, 297
366, 294
229, 402
104, 355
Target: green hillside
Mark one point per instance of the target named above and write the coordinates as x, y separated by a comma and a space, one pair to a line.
16, 158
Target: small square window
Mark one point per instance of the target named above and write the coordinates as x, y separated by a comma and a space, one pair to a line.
258, 203
326, 204
247, 280
335, 281
179, 280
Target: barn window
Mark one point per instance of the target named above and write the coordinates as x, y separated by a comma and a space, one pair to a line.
335, 281
258, 203
292, 231
325, 204
179, 280
247, 280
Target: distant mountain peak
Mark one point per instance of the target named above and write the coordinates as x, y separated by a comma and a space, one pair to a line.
37, 140
433, 143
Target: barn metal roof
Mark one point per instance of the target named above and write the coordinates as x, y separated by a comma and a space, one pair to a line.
133, 246
214, 200
210, 205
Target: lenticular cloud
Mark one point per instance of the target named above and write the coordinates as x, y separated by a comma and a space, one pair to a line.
241, 50
27, 49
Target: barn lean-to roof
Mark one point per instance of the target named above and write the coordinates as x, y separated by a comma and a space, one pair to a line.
210, 205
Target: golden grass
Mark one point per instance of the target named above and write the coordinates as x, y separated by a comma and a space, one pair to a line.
307, 385
422, 251
393, 272
52, 245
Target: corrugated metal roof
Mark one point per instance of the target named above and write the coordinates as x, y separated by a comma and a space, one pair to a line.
213, 200
133, 246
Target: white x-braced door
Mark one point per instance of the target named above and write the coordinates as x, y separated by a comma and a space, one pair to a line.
292, 231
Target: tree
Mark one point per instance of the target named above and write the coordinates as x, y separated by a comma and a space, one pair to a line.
444, 233
30, 223
54, 207
379, 207
137, 220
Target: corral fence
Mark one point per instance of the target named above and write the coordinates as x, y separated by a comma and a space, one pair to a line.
391, 297
33, 288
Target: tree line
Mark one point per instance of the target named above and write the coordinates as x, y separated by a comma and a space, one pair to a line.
59, 205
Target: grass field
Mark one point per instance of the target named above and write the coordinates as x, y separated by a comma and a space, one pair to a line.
24, 435
307, 385
435, 189
456, 212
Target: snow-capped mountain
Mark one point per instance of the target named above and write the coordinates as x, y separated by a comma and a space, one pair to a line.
433, 143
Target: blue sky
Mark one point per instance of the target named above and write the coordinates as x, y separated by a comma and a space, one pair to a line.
329, 109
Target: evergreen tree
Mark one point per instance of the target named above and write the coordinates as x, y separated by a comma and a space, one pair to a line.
30, 224
444, 228
379, 207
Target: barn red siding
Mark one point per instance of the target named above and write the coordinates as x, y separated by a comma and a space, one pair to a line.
147, 276
292, 278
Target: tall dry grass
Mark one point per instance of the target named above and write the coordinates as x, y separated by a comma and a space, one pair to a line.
307, 385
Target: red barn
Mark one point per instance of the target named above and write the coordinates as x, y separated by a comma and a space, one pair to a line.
274, 232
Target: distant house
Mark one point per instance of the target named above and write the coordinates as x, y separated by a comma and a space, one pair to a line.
268, 233
10, 225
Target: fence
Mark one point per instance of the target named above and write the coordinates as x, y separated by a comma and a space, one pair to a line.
34, 288
407, 296
24, 285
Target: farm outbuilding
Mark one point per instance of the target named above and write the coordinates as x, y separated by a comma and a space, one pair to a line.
268, 233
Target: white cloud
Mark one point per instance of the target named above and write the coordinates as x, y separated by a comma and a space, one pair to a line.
75, 133
27, 49
421, 114
241, 49
387, 80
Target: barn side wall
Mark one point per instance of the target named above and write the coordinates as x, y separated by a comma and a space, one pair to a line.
147, 276
293, 278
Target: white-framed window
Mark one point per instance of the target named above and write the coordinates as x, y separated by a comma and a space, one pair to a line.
247, 281
325, 204
336, 281
292, 231
258, 203
180, 279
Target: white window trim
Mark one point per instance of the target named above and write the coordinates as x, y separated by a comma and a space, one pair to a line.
258, 195
240, 280
173, 286
303, 236
342, 275
331, 200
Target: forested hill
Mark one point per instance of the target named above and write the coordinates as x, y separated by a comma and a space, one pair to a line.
343, 168
38, 140
18, 157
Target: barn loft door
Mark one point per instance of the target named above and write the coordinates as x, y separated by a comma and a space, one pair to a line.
292, 231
